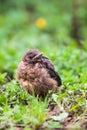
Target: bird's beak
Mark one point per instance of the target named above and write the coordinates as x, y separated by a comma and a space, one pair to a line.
37, 56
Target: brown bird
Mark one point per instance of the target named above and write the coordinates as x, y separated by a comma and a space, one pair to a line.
36, 73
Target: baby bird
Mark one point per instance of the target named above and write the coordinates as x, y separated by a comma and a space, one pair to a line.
36, 73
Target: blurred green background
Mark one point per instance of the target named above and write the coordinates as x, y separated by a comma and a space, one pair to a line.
58, 28
49, 25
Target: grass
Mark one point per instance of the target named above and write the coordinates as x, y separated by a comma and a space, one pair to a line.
18, 107
18, 33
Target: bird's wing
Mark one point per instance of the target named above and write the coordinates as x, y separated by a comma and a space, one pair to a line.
48, 64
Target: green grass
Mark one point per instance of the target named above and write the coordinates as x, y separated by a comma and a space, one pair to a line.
18, 107
18, 33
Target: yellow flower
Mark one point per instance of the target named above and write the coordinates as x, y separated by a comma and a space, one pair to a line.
41, 22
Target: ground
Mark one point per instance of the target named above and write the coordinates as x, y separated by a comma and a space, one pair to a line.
38, 27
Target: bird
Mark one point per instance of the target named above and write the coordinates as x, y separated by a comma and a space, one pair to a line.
36, 73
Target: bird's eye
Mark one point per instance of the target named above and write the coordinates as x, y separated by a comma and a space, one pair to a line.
30, 57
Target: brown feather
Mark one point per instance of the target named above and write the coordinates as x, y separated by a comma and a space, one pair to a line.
36, 73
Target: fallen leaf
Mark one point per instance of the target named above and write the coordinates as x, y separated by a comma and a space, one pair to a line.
60, 116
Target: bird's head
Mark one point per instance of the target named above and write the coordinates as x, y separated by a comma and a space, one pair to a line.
32, 55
